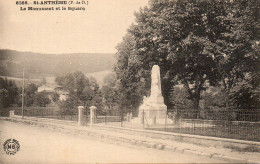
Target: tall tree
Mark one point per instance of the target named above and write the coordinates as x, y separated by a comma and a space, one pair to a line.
9, 93
237, 54
41, 100
82, 91
29, 94
111, 94
133, 78
191, 40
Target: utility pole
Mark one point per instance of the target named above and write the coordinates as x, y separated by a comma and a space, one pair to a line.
23, 93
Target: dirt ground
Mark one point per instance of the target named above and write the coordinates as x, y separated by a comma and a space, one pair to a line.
42, 145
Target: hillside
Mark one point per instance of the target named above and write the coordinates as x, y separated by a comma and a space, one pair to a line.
38, 66
19, 81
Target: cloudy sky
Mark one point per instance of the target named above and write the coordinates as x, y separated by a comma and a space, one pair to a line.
97, 29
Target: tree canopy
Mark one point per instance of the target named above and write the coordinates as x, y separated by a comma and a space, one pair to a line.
111, 94
82, 91
195, 42
8, 93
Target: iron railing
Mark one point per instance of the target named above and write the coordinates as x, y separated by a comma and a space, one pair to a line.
52, 113
243, 124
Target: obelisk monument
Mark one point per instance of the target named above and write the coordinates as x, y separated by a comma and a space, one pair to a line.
153, 108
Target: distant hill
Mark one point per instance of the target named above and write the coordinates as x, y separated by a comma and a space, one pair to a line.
19, 81
99, 76
38, 66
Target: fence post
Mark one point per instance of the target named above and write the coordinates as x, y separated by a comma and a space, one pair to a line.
106, 117
92, 115
80, 115
87, 116
127, 117
11, 113
165, 122
142, 121
122, 118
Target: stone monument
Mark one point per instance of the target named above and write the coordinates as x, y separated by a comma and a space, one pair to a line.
153, 110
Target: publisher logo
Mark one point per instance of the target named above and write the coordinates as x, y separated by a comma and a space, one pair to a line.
11, 146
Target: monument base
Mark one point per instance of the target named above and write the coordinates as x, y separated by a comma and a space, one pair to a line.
153, 110
150, 122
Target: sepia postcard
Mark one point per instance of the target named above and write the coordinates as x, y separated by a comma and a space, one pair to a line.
129, 81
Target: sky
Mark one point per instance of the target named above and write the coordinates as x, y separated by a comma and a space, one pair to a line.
98, 29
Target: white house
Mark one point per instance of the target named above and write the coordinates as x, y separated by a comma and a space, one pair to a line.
52, 87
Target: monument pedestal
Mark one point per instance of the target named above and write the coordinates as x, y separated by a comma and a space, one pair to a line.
152, 114
153, 110
152, 122
157, 111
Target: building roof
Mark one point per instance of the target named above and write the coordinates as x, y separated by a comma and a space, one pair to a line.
46, 88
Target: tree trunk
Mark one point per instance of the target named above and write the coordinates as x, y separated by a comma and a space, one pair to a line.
196, 103
195, 96
196, 99
226, 90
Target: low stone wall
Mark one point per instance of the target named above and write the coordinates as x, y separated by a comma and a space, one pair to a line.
162, 141
187, 138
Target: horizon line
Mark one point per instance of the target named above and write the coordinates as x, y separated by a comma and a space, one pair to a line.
64, 53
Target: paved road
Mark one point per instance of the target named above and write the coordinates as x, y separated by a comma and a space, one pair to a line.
42, 145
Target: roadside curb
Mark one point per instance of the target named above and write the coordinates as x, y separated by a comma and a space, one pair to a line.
125, 140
